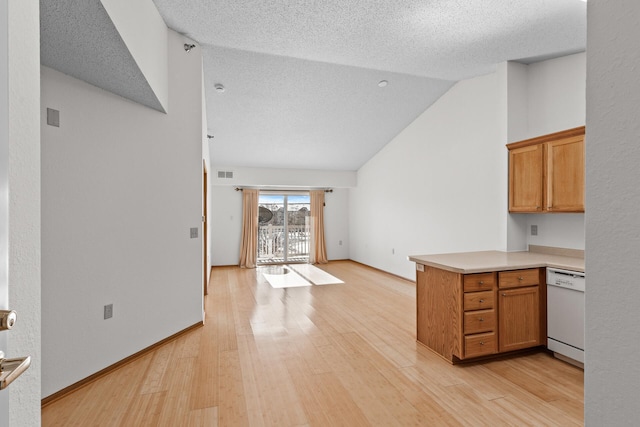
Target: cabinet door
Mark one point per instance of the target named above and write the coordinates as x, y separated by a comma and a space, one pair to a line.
526, 178
565, 175
519, 318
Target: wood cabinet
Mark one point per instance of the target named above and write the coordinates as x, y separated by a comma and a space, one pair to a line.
519, 309
464, 316
546, 174
479, 318
526, 178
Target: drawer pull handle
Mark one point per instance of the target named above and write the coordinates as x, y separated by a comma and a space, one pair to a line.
520, 278
504, 295
481, 342
481, 282
481, 301
481, 319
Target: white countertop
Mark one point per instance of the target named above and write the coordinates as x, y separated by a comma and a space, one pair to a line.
485, 261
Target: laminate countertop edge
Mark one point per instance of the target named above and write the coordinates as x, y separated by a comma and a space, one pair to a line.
486, 261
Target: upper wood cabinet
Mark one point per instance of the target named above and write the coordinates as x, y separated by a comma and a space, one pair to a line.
546, 174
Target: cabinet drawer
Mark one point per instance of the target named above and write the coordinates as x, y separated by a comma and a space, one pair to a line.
517, 278
479, 321
478, 300
480, 344
479, 282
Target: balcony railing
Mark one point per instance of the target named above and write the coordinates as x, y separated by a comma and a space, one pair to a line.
271, 243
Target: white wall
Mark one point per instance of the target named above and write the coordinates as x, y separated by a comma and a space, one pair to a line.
24, 205
612, 376
556, 93
206, 158
226, 213
226, 225
122, 186
284, 178
557, 101
336, 223
439, 186
558, 230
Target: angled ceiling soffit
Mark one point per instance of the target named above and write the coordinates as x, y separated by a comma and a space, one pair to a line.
79, 38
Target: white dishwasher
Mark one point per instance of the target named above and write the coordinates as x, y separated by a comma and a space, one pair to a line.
565, 313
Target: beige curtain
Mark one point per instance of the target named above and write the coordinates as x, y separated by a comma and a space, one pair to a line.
318, 252
248, 246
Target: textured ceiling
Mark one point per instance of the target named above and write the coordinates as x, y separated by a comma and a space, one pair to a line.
445, 39
292, 113
301, 75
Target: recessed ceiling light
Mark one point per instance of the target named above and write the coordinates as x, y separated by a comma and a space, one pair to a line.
219, 87
383, 83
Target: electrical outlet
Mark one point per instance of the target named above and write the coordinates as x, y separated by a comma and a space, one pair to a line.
108, 311
340, 243
534, 230
193, 232
53, 117
393, 251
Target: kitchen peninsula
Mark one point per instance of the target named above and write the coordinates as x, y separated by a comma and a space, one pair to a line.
478, 304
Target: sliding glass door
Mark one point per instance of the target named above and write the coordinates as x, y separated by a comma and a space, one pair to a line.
283, 227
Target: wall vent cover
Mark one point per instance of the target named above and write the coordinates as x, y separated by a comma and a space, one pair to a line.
225, 174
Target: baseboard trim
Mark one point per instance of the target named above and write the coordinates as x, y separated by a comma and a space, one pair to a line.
342, 260
91, 378
385, 272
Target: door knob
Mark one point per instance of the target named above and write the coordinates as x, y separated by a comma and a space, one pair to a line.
7, 319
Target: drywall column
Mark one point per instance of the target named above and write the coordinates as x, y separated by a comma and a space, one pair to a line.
612, 377
24, 204
514, 77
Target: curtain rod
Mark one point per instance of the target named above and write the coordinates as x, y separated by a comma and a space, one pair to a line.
327, 190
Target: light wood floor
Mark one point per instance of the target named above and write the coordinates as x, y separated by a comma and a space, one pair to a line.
342, 355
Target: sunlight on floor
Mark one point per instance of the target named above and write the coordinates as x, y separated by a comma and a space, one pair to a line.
281, 276
296, 275
315, 275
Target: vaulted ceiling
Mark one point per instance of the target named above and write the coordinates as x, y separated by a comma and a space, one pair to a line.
301, 78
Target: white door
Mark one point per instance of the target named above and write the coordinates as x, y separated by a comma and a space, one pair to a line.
4, 196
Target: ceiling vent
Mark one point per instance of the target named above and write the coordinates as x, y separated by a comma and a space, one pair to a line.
225, 174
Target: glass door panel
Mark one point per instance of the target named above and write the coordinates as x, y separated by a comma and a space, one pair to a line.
298, 232
283, 228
